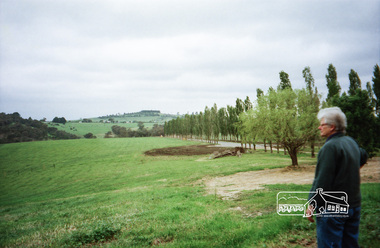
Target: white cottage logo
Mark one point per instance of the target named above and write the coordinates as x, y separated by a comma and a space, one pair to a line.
323, 203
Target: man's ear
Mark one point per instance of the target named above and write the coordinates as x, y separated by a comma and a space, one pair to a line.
332, 128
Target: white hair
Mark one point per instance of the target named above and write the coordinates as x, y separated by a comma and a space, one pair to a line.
334, 116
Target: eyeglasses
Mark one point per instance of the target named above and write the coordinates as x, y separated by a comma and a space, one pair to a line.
324, 124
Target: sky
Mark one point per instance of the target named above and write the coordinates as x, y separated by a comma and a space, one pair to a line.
89, 58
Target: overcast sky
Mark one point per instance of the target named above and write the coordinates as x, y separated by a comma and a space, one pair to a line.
87, 58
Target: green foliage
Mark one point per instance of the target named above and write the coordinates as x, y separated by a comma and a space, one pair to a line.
332, 82
361, 123
355, 82
376, 86
309, 79
60, 120
89, 136
285, 81
285, 116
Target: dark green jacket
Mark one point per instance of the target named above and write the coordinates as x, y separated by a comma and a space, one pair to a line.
338, 167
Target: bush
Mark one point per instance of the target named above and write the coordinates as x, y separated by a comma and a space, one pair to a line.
90, 136
94, 233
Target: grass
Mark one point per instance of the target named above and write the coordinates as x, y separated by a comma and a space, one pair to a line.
96, 128
105, 192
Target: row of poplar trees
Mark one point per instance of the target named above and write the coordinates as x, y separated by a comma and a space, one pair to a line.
286, 117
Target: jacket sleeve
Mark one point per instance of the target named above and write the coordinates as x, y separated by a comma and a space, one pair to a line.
363, 156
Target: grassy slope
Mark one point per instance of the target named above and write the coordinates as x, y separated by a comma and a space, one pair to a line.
96, 128
99, 129
64, 193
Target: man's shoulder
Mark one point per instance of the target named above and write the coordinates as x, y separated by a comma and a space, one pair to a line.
340, 138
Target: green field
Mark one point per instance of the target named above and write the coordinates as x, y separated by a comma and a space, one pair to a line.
106, 192
99, 125
96, 128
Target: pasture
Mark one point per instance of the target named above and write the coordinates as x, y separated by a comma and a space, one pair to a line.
106, 192
96, 128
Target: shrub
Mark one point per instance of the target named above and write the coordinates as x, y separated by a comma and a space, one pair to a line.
94, 233
90, 136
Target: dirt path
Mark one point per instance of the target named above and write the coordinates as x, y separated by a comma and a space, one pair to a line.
229, 187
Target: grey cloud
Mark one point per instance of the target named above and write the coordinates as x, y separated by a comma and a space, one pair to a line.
178, 56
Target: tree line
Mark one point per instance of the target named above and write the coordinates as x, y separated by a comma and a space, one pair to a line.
14, 128
123, 132
286, 117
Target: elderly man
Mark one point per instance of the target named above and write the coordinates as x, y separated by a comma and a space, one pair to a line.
338, 169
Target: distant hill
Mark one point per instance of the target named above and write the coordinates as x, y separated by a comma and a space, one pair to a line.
146, 116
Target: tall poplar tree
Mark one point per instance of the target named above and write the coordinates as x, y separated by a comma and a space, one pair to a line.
355, 82
285, 81
222, 119
312, 104
332, 83
215, 123
376, 87
207, 123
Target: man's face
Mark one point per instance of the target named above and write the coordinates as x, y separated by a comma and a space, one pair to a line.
326, 129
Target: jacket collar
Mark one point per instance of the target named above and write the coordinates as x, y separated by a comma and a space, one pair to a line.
333, 135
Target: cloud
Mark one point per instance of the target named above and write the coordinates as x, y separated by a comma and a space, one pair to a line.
88, 58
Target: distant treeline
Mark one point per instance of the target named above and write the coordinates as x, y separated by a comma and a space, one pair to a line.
123, 132
135, 114
14, 128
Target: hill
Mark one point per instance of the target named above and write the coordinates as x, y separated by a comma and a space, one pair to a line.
145, 116
14, 128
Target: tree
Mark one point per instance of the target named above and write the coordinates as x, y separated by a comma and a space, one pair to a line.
120, 132
247, 104
309, 79
222, 120
232, 118
355, 82
361, 123
288, 120
86, 120
89, 136
247, 127
207, 123
108, 134
285, 81
140, 124
259, 92
60, 120
157, 130
312, 102
332, 82
215, 123
200, 129
376, 86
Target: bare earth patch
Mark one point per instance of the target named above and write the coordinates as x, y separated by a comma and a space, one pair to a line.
185, 150
228, 187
